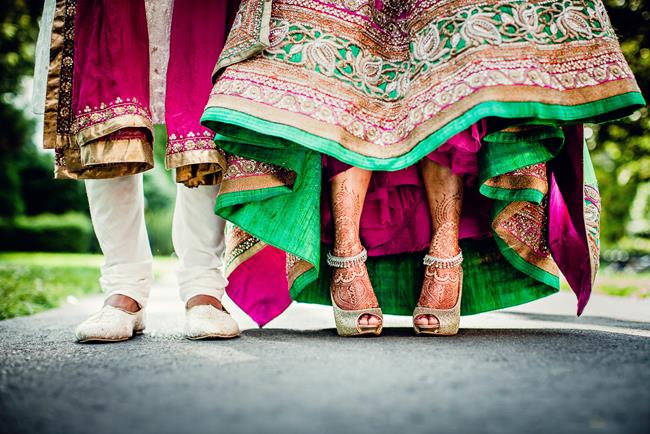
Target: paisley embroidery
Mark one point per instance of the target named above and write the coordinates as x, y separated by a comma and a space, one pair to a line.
381, 80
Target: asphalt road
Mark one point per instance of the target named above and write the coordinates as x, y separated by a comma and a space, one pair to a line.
532, 369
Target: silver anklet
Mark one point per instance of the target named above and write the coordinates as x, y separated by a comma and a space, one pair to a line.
443, 262
346, 261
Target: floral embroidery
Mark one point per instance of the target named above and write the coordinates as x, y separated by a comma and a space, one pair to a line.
246, 36
64, 119
240, 167
528, 225
475, 26
190, 141
535, 170
408, 77
91, 116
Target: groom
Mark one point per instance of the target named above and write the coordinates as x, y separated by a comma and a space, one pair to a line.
106, 72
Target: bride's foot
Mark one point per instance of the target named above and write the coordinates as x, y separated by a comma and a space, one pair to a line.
355, 304
351, 290
118, 320
440, 289
206, 318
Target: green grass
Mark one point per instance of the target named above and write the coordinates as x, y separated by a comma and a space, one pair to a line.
33, 282
27, 286
618, 284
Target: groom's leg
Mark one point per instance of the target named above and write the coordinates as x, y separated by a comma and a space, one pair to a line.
117, 212
198, 239
199, 243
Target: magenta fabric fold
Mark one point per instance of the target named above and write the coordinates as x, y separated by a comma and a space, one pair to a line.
110, 34
567, 231
193, 52
269, 296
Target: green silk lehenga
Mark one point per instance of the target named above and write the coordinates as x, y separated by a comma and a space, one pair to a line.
382, 84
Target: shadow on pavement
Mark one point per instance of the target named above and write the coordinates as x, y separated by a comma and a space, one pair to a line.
587, 320
276, 334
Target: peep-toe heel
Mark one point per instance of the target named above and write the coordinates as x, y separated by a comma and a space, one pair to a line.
448, 319
347, 321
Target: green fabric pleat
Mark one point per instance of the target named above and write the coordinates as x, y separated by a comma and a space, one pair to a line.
505, 152
287, 218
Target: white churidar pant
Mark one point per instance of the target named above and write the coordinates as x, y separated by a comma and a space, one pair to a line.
117, 212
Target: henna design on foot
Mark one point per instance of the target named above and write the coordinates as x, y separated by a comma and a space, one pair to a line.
440, 287
351, 287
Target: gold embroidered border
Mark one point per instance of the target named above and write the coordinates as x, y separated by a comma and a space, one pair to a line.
256, 182
116, 151
248, 36
519, 182
591, 212
198, 156
51, 137
102, 129
244, 256
395, 111
355, 144
72, 167
545, 263
296, 270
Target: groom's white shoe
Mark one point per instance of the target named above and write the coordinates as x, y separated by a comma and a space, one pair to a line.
110, 324
207, 322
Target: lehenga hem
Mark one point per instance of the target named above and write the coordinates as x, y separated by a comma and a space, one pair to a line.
240, 126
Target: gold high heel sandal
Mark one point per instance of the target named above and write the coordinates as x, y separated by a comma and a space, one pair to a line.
448, 319
347, 321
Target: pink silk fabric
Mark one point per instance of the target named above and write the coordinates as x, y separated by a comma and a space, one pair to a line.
112, 76
193, 52
110, 34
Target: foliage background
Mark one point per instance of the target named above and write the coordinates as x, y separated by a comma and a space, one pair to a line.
38, 213
29, 197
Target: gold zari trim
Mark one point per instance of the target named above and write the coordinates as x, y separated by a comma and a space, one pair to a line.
349, 141
199, 167
122, 157
545, 263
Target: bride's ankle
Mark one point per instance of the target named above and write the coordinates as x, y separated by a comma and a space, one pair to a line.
347, 250
443, 251
357, 255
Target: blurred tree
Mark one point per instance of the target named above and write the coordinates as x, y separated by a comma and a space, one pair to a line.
16, 131
40, 193
621, 150
18, 32
25, 173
